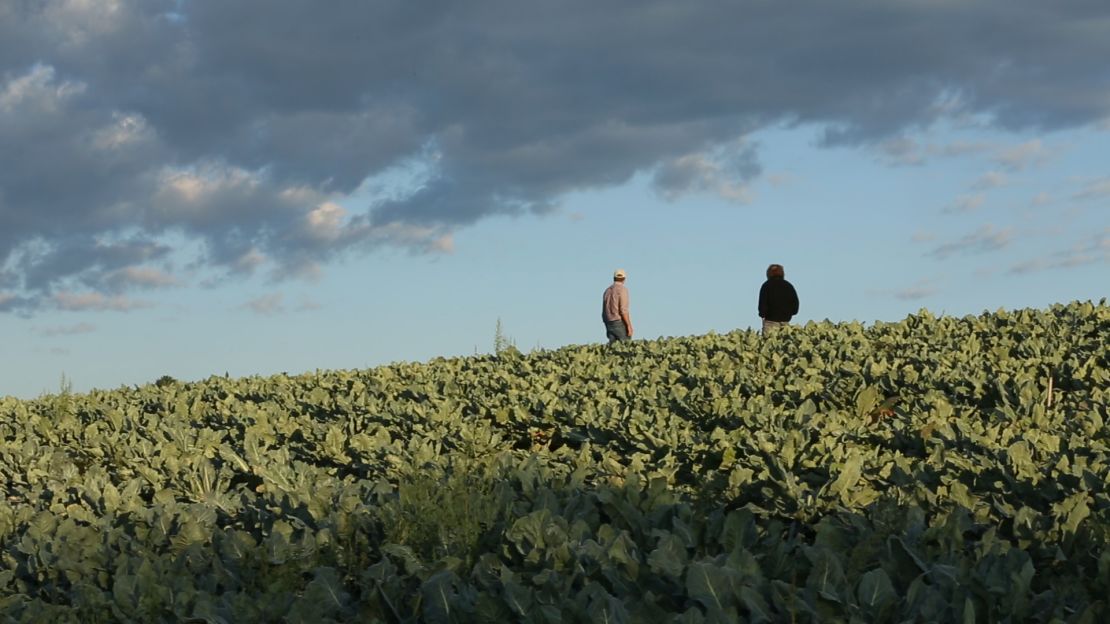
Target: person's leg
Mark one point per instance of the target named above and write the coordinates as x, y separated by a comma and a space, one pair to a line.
614, 331
770, 327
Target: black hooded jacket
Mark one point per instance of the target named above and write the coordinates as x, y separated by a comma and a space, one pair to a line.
778, 301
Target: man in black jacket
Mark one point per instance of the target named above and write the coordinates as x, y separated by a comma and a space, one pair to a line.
778, 301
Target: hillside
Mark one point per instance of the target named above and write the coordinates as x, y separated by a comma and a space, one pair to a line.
934, 469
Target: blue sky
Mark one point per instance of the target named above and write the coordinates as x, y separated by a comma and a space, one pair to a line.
181, 198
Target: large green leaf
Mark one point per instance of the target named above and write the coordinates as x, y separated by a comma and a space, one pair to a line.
710, 585
875, 592
669, 557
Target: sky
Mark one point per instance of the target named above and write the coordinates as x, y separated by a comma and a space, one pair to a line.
201, 187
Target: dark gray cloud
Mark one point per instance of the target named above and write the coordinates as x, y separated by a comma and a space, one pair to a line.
92, 265
234, 124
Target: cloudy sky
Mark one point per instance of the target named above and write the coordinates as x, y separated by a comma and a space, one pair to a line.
196, 187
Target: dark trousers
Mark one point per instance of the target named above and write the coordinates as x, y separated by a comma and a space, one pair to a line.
614, 331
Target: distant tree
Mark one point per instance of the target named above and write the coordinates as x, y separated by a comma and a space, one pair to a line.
501, 342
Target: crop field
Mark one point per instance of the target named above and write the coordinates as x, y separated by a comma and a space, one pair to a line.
930, 470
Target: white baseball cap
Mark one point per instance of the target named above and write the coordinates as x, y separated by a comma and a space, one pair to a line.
619, 274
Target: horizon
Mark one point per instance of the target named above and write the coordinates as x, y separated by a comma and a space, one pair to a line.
65, 384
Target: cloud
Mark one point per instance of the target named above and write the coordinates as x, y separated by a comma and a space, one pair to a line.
986, 239
1093, 189
138, 277
105, 266
921, 290
966, 203
10, 302
242, 129
1041, 199
1023, 156
266, 305
961, 148
989, 180
906, 151
781, 179
1094, 249
325, 222
308, 305
68, 330
725, 174
94, 301
903, 150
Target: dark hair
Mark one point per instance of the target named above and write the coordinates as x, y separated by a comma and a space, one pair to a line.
775, 270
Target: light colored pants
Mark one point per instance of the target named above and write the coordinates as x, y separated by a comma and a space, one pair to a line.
772, 326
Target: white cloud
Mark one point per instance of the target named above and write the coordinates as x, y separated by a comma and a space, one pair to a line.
144, 277
196, 186
724, 172
1041, 199
444, 244
989, 180
966, 203
37, 90
325, 222
1023, 156
266, 305
94, 301
424, 238
906, 151
1093, 188
124, 131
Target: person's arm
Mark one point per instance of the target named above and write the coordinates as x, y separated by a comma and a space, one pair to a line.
793, 301
625, 317
763, 300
